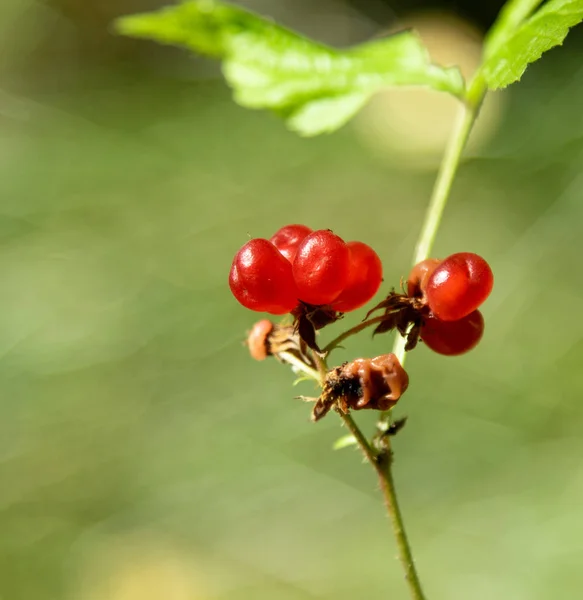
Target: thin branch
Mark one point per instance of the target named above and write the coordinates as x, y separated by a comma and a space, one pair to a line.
382, 464
360, 438
444, 182
352, 331
298, 364
384, 470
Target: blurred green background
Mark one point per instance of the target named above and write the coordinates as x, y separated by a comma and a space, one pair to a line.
143, 455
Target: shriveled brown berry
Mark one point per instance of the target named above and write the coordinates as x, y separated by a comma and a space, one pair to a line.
365, 383
257, 339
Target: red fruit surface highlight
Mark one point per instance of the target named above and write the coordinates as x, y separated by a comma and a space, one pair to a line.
419, 276
452, 338
261, 279
321, 267
364, 280
288, 238
458, 286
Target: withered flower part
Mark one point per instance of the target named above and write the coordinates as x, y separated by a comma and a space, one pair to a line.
269, 339
309, 318
403, 313
365, 383
257, 340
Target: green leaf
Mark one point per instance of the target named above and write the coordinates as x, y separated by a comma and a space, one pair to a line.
315, 88
513, 13
507, 57
344, 442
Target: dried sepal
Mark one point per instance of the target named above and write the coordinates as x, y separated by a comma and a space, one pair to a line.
309, 318
365, 383
396, 426
307, 332
413, 337
403, 313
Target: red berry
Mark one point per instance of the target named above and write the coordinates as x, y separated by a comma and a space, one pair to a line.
458, 286
261, 279
321, 267
257, 339
366, 275
419, 276
453, 337
288, 238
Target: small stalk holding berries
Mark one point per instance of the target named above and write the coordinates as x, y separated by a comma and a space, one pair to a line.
315, 277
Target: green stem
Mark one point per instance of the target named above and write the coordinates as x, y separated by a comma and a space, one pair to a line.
384, 470
352, 331
444, 182
322, 367
300, 365
382, 464
360, 438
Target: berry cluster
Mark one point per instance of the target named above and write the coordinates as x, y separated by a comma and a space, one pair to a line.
298, 265
452, 289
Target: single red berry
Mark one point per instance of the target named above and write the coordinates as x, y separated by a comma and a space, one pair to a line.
288, 238
458, 286
419, 276
453, 337
261, 278
365, 278
257, 339
321, 267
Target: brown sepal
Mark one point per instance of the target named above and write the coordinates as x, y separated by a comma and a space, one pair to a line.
310, 318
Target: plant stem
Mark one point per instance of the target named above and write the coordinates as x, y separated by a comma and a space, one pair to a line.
384, 469
445, 176
300, 365
466, 118
322, 367
352, 331
439, 197
382, 464
360, 438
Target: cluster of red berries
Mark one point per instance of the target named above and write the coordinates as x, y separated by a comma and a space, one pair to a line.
452, 289
298, 265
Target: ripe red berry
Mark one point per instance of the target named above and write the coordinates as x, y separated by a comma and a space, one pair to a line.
261, 279
288, 238
458, 286
419, 276
321, 267
453, 337
365, 278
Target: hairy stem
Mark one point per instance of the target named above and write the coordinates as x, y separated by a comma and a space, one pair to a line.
439, 197
384, 470
360, 438
382, 463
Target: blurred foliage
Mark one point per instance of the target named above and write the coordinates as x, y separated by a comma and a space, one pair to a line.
144, 455
315, 88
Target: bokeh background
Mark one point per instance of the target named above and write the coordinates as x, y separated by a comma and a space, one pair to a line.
143, 455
